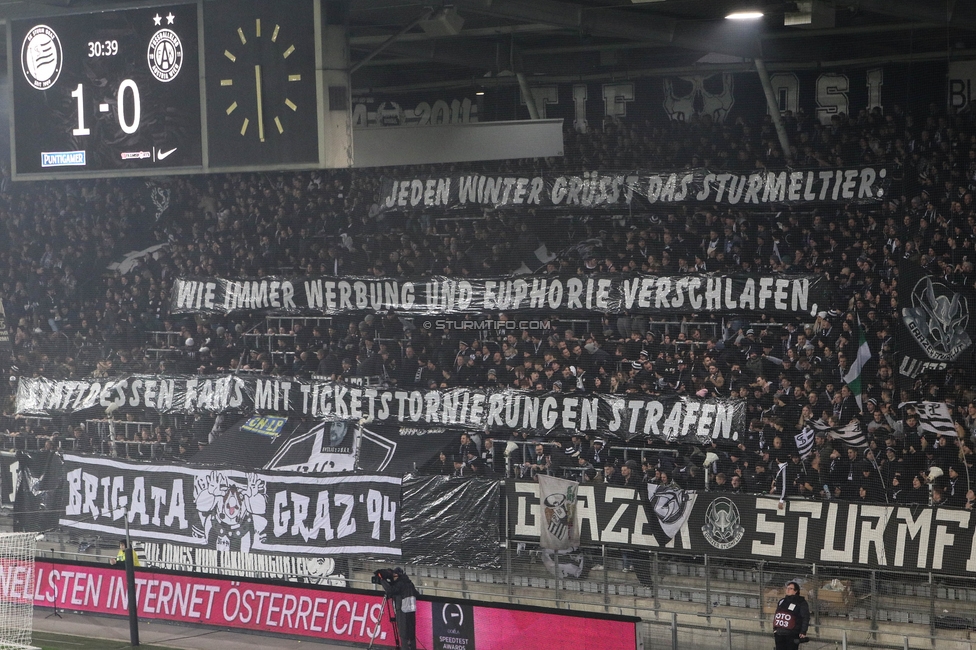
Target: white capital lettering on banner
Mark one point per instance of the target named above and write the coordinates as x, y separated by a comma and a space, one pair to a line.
911, 527
830, 552
873, 535
943, 538
608, 534
803, 508
775, 528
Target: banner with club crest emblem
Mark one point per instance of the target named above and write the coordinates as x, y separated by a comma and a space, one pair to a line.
723, 525
755, 527
935, 328
558, 530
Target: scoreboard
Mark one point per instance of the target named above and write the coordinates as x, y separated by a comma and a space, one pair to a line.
187, 87
107, 92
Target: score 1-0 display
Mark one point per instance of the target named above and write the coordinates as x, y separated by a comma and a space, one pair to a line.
106, 92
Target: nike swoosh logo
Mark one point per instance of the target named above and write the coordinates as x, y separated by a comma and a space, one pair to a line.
165, 154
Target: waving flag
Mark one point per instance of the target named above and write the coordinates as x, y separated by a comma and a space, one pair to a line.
853, 376
933, 417
558, 529
852, 433
804, 441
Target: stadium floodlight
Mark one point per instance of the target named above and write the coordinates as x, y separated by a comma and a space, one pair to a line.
744, 15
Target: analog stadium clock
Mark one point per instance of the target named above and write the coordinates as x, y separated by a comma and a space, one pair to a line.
261, 84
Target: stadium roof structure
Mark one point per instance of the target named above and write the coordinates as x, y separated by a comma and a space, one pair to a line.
414, 45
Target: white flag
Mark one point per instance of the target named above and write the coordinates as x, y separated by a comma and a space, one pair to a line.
851, 433
804, 442
934, 417
558, 529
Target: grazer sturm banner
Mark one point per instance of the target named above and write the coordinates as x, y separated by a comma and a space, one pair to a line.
636, 188
667, 417
781, 295
754, 527
234, 510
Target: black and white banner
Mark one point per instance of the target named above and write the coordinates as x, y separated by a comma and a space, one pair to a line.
933, 417
628, 416
315, 569
234, 510
9, 477
780, 295
636, 189
752, 527
327, 447
851, 434
936, 323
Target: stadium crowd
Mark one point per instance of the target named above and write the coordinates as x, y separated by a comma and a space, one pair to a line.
71, 316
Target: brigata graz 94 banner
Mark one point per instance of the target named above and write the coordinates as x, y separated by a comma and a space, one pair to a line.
642, 416
639, 189
234, 510
781, 295
753, 527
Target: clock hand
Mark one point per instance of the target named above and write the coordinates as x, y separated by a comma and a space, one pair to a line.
257, 85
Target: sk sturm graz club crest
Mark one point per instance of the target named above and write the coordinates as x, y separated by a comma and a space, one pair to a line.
723, 526
40, 57
938, 320
231, 514
558, 527
558, 511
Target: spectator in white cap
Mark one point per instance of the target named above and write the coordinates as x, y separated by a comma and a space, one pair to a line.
598, 454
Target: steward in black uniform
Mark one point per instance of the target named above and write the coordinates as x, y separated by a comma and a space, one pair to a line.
791, 619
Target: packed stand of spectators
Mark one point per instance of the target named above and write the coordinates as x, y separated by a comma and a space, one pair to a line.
71, 317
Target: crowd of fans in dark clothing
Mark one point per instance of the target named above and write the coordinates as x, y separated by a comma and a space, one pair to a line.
70, 316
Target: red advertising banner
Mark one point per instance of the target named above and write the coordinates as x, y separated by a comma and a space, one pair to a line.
285, 609
309, 611
462, 625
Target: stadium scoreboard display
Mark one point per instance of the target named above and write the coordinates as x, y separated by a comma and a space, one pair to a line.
107, 92
176, 88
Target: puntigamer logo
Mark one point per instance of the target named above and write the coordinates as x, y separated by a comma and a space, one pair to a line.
40, 57
63, 159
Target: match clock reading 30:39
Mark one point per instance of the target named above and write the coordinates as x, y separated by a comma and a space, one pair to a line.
107, 92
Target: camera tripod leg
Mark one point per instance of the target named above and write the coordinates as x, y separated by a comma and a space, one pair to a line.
55, 612
386, 608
